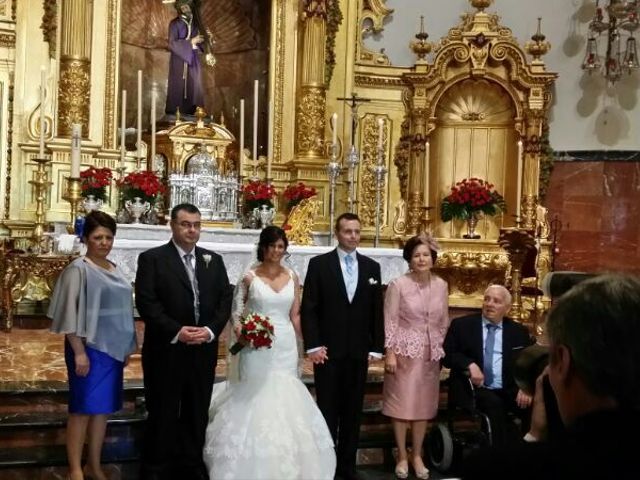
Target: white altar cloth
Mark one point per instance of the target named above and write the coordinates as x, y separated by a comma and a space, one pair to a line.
133, 231
238, 256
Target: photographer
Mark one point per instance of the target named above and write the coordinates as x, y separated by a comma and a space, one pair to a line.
594, 371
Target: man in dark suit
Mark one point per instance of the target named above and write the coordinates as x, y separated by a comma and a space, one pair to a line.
594, 333
183, 296
343, 326
483, 348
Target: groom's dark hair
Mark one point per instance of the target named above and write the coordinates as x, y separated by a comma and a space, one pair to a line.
187, 207
345, 216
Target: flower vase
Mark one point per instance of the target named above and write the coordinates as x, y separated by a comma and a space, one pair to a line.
90, 203
264, 215
137, 208
472, 223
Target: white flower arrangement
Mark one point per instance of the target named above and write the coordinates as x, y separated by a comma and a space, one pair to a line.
207, 258
373, 281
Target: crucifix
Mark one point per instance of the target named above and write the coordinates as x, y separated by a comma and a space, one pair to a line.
353, 157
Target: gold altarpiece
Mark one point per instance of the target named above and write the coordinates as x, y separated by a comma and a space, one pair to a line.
469, 105
478, 96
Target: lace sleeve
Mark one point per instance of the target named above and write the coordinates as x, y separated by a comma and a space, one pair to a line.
240, 299
391, 307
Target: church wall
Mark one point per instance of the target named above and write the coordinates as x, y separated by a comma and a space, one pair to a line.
587, 114
597, 205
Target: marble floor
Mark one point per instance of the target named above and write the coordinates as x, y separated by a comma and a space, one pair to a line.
32, 361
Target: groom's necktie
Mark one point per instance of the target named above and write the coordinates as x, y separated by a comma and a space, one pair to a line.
350, 276
489, 346
191, 272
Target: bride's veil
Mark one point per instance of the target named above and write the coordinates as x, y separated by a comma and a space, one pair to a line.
238, 311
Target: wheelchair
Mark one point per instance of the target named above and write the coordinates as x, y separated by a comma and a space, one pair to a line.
461, 431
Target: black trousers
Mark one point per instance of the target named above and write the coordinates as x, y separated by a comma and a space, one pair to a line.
340, 385
177, 407
497, 405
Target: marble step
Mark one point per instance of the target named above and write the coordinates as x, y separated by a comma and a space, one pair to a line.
52, 455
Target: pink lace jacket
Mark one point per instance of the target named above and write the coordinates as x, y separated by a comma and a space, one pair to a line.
416, 317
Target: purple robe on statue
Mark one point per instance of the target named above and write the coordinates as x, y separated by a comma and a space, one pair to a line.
185, 84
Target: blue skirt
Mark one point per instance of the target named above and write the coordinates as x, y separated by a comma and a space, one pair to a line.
100, 392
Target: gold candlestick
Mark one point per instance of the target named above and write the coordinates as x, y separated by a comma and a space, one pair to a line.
40, 184
73, 196
516, 241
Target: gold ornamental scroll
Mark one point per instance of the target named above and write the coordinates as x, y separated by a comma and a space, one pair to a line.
310, 112
75, 65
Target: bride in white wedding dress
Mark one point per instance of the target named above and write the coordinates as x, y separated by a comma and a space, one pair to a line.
265, 424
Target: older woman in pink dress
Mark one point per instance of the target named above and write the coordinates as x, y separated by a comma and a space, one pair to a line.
416, 315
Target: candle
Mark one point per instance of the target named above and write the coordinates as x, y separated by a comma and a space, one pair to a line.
334, 129
123, 126
255, 120
154, 95
427, 147
139, 139
519, 183
270, 147
75, 150
380, 132
241, 153
43, 81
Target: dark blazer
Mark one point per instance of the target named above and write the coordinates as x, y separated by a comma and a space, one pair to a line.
346, 329
164, 296
463, 346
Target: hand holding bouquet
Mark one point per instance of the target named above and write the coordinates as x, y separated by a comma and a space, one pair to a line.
256, 331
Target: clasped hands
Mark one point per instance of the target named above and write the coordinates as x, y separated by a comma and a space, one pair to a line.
193, 335
523, 400
320, 356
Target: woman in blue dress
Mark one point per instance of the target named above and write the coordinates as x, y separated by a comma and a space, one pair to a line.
92, 305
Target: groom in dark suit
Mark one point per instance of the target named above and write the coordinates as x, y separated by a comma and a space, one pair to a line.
483, 348
184, 297
343, 326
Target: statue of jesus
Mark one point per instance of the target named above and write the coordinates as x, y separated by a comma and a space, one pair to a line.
184, 90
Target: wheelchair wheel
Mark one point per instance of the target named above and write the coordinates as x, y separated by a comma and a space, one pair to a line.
440, 446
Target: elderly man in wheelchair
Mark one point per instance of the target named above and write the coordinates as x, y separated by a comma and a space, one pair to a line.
481, 350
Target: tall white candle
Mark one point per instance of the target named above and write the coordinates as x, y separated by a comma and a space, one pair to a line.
380, 132
334, 129
519, 188
76, 129
123, 126
154, 95
241, 153
43, 81
270, 147
255, 120
139, 139
427, 173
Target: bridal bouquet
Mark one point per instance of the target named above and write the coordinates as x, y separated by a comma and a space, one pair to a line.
256, 332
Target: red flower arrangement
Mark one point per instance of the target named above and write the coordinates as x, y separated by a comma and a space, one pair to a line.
256, 332
145, 185
95, 182
258, 193
470, 196
294, 194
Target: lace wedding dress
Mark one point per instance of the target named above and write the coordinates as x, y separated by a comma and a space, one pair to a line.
266, 424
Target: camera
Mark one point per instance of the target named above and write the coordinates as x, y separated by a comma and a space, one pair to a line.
529, 365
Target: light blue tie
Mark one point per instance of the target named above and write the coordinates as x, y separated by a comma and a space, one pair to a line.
348, 261
488, 354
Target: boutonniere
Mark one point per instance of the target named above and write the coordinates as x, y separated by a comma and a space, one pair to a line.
207, 258
373, 281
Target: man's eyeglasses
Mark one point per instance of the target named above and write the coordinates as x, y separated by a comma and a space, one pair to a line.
189, 225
